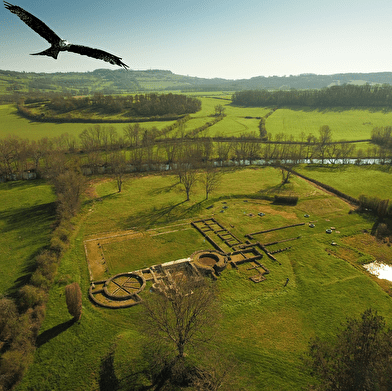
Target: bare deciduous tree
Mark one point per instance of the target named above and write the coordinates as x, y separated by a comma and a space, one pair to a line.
187, 177
180, 315
324, 141
210, 178
118, 163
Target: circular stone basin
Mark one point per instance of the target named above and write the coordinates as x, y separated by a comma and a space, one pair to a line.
208, 259
124, 286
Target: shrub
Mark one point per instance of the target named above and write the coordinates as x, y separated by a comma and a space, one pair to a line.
13, 365
8, 318
57, 245
378, 206
382, 230
286, 200
46, 257
39, 280
30, 296
46, 264
62, 233
73, 297
37, 316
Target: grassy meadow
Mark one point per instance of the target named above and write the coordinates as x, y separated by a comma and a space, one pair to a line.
265, 327
371, 180
15, 125
355, 124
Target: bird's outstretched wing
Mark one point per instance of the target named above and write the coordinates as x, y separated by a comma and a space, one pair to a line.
33, 22
97, 53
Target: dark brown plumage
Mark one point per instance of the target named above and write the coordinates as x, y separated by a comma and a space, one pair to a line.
58, 44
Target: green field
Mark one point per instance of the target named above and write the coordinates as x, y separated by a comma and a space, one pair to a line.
265, 327
26, 213
372, 180
353, 124
350, 125
13, 124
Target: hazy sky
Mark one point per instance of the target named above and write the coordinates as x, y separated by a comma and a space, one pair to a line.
207, 38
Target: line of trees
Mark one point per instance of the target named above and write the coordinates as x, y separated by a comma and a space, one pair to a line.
21, 315
345, 96
144, 149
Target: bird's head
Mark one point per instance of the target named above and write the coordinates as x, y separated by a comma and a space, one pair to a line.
64, 44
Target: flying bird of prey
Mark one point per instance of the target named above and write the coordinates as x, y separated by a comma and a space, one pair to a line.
58, 44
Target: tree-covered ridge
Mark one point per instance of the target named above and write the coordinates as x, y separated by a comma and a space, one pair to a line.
336, 96
119, 81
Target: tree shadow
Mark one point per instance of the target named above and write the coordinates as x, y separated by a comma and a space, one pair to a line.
153, 216
108, 380
48, 335
164, 190
27, 217
272, 189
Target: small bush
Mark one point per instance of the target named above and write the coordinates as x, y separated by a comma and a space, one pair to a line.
73, 297
37, 316
13, 365
39, 280
8, 318
45, 258
382, 231
30, 296
47, 264
62, 233
57, 245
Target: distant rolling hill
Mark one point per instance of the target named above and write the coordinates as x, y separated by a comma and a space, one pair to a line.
122, 81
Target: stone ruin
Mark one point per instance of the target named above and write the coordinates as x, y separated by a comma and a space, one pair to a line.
122, 290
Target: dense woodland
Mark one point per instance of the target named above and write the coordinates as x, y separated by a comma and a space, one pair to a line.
336, 96
139, 105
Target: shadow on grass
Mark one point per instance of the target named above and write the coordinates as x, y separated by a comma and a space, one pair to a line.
29, 224
28, 217
107, 377
10, 185
108, 380
273, 189
47, 335
165, 214
164, 190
